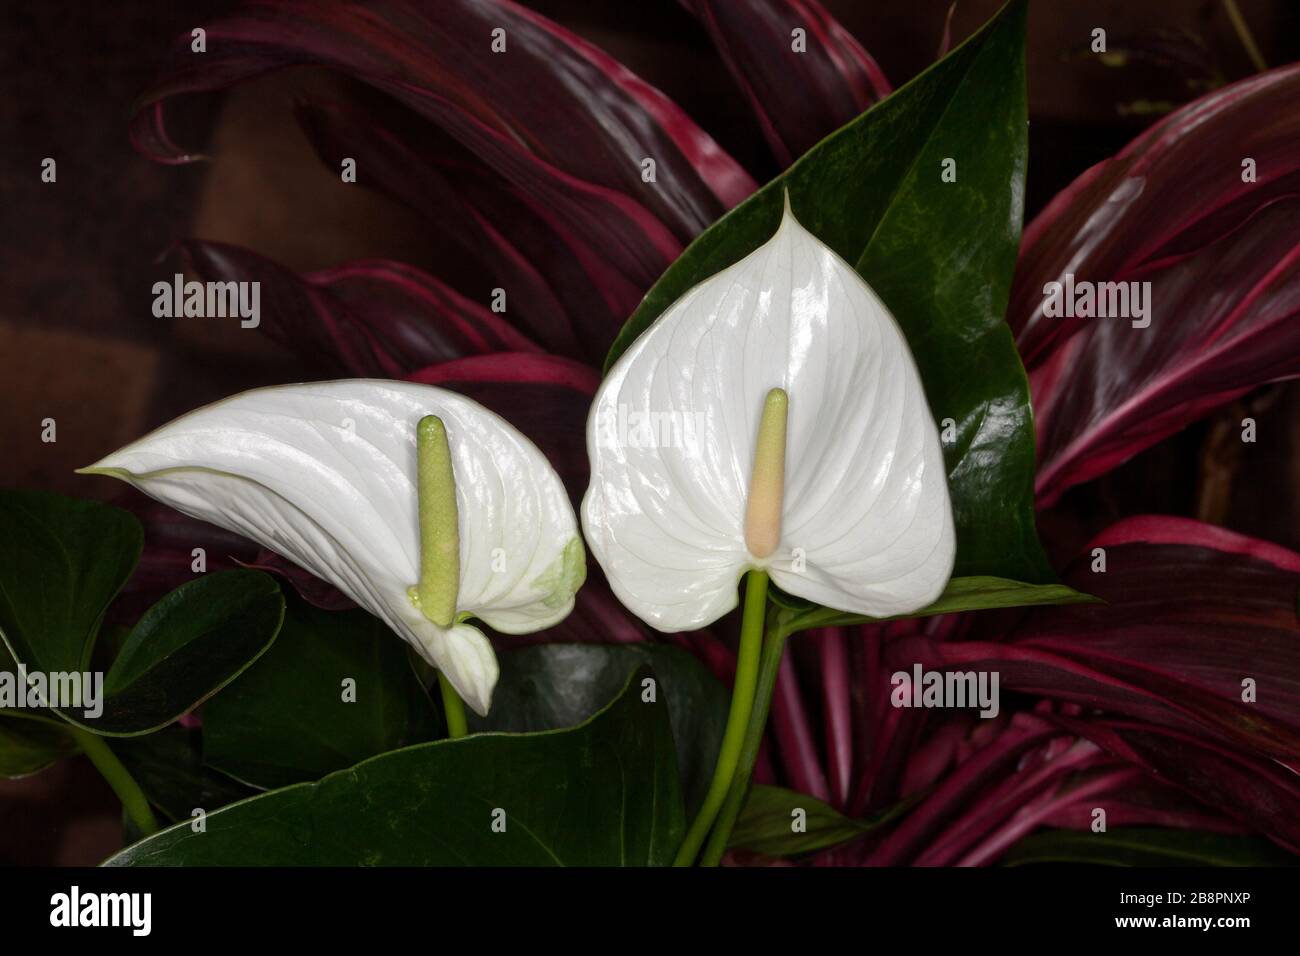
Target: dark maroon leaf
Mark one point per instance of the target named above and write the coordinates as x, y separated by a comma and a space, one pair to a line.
368, 318
982, 771
1223, 261
558, 290
798, 96
1258, 792
562, 122
792, 730
1006, 779
1224, 321
1193, 612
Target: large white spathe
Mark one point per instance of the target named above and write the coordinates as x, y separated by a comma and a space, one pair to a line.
325, 475
865, 521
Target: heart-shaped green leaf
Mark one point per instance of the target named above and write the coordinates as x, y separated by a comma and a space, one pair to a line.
189, 645
604, 793
1147, 846
940, 252
553, 686
336, 688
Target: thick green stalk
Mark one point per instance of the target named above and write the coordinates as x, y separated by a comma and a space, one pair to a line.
773, 649
453, 708
742, 702
134, 802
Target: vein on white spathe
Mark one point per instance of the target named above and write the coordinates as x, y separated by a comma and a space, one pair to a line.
866, 522
325, 475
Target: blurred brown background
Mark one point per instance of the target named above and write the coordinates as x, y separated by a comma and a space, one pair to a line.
79, 343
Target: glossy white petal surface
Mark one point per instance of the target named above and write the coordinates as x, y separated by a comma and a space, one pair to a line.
866, 521
325, 475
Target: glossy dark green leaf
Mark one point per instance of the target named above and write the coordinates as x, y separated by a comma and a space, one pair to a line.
603, 793
780, 823
189, 645
961, 594
62, 560
28, 745
286, 719
1147, 846
168, 766
940, 255
551, 686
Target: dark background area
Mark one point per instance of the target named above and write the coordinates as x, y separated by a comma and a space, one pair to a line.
79, 343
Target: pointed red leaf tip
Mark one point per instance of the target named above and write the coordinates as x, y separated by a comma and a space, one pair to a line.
556, 118
1204, 200
803, 73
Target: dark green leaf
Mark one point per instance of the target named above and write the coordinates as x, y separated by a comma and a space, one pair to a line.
767, 823
186, 647
940, 254
28, 745
285, 720
168, 766
603, 793
551, 686
1147, 846
61, 562
961, 594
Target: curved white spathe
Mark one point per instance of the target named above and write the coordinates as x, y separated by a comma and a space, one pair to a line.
866, 524
325, 475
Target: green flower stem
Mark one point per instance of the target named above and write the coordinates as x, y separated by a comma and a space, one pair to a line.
454, 709
742, 702
773, 649
134, 802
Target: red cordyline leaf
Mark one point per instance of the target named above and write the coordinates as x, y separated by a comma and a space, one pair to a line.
1260, 793
1192, 611
558, 119
798, 97
1223, 261
370, 318
561, 293
1031, 771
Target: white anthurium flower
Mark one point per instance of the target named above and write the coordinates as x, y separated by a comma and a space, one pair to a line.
422, 506
772, 418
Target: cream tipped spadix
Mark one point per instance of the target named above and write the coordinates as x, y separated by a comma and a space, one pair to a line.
767, 480
856, 517
435, 595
